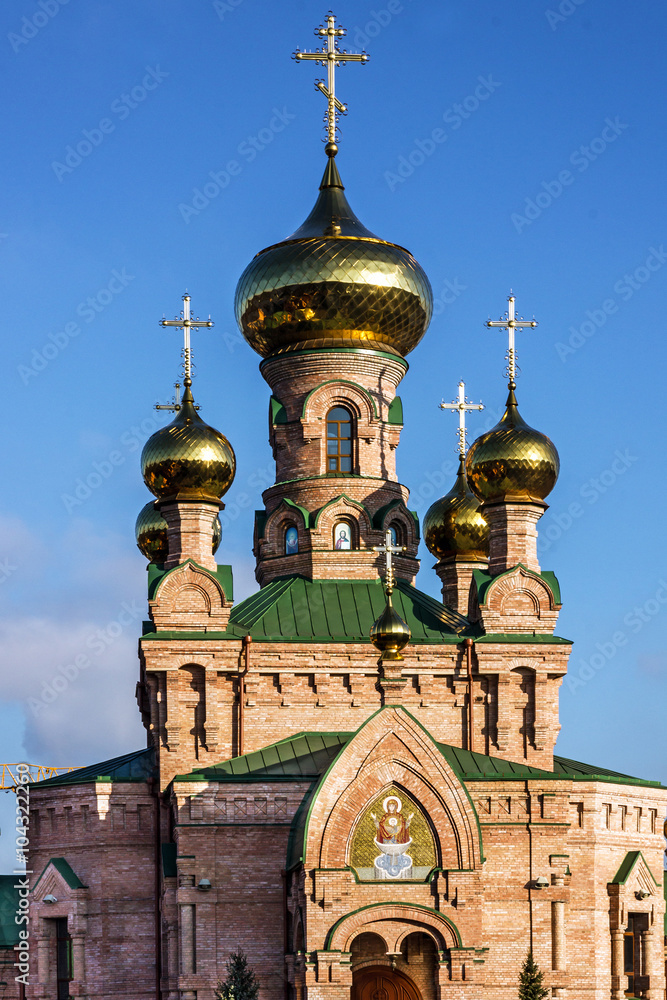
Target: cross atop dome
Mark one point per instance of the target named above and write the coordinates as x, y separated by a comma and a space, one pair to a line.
463, 405
186, 323
331, 57
511, 322
389, 549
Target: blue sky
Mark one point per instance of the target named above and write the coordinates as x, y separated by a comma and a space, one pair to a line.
509, 146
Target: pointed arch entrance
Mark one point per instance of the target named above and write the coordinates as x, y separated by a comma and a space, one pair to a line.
379, 982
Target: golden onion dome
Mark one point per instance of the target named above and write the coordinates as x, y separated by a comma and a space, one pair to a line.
389, 633
333, 284
188, 459
454, 526
151, 533
512, 460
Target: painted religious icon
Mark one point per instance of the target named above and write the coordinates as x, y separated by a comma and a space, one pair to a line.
392, 840
291, 541
342, 536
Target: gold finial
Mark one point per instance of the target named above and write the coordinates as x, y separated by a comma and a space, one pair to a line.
511, 322
463, 405
331, 57
185, 323
389, 634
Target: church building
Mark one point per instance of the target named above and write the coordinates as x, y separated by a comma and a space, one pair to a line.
350, 780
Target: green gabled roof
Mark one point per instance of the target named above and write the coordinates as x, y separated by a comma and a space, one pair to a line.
296, 609
136, 766
627, 864
65, 869
304, 756
483, 579
9, 903
223, 574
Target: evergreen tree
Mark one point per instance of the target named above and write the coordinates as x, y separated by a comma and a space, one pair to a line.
531, 986
241, 982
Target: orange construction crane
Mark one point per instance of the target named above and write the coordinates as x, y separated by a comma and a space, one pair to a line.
11, 777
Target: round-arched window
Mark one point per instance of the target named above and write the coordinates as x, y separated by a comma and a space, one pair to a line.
339, 440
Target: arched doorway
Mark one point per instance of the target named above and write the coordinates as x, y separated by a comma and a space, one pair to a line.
380, 982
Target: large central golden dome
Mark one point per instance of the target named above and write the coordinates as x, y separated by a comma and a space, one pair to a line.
333, 284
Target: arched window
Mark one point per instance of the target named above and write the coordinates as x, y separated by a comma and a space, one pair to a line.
339, 440
291, 540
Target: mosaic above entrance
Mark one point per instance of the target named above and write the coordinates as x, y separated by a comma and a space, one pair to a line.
392, 840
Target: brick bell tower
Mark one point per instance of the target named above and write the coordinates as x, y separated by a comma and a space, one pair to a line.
333, 310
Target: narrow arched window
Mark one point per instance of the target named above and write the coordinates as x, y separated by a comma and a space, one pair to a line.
339, 440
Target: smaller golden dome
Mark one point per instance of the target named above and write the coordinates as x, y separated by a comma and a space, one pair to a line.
512, 460
188, 459
389, 633
453, 525
151, 533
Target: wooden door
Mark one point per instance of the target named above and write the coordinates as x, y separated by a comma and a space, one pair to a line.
381, 983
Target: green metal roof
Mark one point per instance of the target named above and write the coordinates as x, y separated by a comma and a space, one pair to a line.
296, 609
136, 766
304, 756
9, 902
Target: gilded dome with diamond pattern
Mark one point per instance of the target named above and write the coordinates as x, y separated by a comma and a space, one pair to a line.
333, 284
453, 525
512, 460
187, 458
151, 533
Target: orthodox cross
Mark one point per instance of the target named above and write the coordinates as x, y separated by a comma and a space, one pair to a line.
463, 405
331, 57
185, 323
511, 323
389, 550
